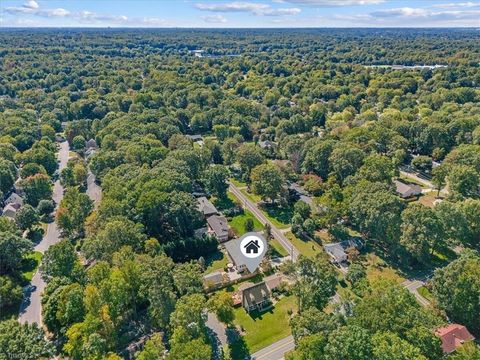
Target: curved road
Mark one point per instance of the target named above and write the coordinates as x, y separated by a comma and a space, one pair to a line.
31, 307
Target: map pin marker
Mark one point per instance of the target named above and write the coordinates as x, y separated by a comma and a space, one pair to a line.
253, 247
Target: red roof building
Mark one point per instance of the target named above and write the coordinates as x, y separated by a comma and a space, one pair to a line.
453, 336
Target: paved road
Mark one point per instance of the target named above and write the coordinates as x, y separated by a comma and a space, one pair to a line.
413, 286
31, 307
94, 191
276, 232
276, 351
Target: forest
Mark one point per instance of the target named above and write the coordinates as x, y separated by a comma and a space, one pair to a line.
331, 110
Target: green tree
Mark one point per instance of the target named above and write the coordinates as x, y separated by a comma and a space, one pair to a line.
249, 156
349, 343
12, 250
222, 305
26, 217
78, 142
388, 346
61, 260
313, 321
267, 181
72, 212
154, 349
422, 231
23, 341
315, 282
37, 187
457, 290
187, 278
463, 181
215, 180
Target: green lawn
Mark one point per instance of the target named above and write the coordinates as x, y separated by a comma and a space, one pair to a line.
216, 261
254, 198
425, 293
377, 269
277, 249
30, 264
238, 183
307, 248
237, 223
279, 216
263, 329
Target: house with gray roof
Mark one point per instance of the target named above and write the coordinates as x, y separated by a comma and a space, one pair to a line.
256, 297
233, 250
213, 279
14, 198
10, 210
206, 207
405, 190
218, 227
338, 251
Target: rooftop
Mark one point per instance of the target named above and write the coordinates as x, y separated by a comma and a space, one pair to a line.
256, 293
206, 207
219, 225
453, 336
233, 249
407, 189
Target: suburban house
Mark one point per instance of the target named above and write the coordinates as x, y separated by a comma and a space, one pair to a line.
206, 207
267, 144
338, 251
213, 279
453, 336
233, 250
256, 297
196, 139
218, 227
14, 198
298, 192
10, 210
91, 144
406, 191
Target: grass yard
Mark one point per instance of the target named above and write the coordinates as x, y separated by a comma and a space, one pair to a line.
252, 197
238, 183
30, 264
279, 216
277, 249
428, 199
216, 261
410, 180
307, 248
237, 223
377, 269
425, 293
263, 329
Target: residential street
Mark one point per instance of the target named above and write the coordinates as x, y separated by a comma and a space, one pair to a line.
277, 233
276, 351
30, 309
413, 286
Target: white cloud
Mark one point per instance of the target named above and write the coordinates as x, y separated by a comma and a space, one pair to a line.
469, 4
214, 19
32, 4
249, 7
335, 3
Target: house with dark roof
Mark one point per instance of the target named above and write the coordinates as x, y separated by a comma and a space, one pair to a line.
406, 191
91, 144
453, 336
267, 144
218, 227
206, 207
338, 251
256, 297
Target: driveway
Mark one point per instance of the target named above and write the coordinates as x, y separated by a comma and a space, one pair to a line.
31, 307
276, 232
94, 191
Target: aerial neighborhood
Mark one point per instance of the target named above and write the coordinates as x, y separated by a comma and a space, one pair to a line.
142, 169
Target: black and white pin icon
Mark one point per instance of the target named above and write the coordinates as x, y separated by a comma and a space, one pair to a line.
253, 248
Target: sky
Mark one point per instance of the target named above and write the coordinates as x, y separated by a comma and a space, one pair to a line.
239, 14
